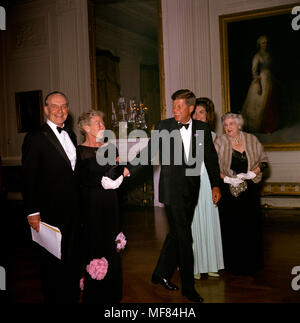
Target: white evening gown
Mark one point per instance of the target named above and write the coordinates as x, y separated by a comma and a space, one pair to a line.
206, 231
256, 104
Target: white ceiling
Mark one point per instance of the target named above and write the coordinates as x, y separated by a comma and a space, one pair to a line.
138, 16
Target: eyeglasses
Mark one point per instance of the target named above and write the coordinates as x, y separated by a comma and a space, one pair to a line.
56, 106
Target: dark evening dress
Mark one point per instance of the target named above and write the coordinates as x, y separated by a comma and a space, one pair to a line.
241, 224
101, 225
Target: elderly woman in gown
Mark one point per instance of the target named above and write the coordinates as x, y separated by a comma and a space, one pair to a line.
100, 213
260, 108
242, 160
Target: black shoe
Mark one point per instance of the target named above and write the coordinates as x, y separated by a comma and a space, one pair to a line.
165, 283
192, 295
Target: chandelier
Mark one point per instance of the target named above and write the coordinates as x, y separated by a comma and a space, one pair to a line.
133, 114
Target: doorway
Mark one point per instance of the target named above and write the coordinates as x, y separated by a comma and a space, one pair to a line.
129, 32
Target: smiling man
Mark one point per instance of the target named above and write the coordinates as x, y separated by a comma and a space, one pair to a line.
50, 195
179, 192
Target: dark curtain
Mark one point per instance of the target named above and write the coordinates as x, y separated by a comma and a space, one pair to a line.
108, 83
150, 92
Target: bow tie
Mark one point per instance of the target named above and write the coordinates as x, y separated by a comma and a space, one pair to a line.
180, 125
59, 129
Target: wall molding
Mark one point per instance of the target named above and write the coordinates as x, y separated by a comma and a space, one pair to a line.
286, 189
280, 195
283, 202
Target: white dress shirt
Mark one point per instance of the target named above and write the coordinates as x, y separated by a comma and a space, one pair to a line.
66, 142
186, 138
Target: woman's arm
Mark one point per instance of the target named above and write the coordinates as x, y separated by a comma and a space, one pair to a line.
260, 168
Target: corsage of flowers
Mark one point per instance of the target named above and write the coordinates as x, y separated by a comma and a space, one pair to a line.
120, 241
97, 268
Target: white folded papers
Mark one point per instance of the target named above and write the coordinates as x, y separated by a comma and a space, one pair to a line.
48, 237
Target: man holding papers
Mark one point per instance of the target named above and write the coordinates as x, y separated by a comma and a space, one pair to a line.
48, 237
50, 193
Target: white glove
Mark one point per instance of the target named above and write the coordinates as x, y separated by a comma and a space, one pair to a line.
109, 184
249, 175
233, 181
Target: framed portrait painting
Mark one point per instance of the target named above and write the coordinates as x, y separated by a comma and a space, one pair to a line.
261, 73
29, 109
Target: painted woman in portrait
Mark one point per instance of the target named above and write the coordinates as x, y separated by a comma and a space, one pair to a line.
260, 106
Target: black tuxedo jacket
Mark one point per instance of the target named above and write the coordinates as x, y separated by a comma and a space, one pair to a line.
50, 185
174, 186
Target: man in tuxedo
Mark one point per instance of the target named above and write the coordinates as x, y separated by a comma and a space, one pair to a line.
50, 193
179, 192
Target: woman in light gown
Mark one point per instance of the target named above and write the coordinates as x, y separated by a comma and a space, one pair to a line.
207, 241
260, 107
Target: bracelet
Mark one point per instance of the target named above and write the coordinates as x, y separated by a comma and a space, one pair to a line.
262, 166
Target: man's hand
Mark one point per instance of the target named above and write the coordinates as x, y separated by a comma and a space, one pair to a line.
216, 194
126, 172
34, 221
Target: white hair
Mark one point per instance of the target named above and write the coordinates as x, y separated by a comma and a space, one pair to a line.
85, 118
237, 117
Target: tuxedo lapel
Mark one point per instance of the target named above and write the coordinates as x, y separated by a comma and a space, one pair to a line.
73, 137
193, 140
173, 125
47, 131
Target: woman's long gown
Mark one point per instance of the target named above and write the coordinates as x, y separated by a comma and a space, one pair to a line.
241, 223
101, 225
260, 111
207, 241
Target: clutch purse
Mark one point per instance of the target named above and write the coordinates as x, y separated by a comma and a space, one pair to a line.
115, 171
236, 191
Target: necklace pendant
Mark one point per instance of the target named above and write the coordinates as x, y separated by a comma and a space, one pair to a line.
236, 140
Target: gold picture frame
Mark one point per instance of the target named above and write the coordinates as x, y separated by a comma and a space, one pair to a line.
29, 110
276, 119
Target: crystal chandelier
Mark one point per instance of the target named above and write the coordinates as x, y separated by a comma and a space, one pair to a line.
134, 114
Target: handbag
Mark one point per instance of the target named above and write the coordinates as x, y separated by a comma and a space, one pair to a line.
236, 191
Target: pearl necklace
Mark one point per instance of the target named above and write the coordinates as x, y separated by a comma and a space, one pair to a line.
236, 140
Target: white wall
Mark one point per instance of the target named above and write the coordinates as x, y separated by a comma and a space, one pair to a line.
192, 60
186, 41
45, 47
